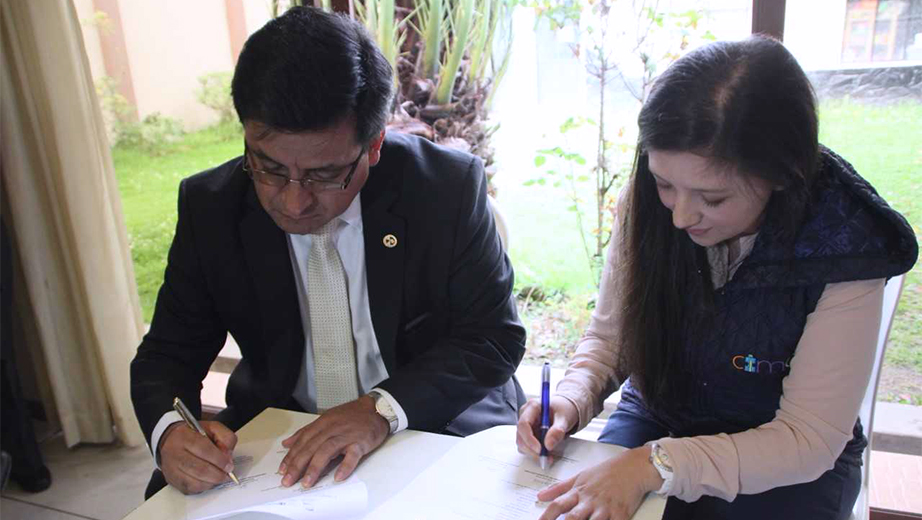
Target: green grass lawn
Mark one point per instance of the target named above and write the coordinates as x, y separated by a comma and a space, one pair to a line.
150, 187
885, 146
881, 142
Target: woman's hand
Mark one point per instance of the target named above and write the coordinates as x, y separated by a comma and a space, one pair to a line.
564, 417
612, 490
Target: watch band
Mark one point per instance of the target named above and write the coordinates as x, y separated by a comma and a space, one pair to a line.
660, 460
384, 409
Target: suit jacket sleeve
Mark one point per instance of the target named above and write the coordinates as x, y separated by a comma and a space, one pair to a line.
185, 334
484, 341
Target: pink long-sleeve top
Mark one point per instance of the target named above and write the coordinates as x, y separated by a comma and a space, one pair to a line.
821, 394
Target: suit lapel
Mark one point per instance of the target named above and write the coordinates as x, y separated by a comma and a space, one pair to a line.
268, 261
385, 246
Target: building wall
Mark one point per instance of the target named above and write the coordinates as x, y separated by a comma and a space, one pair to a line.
168, 45
877, 85
257, 14
171, 43
90, 27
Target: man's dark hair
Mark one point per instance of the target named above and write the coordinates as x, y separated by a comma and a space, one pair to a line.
749, 108
307, 70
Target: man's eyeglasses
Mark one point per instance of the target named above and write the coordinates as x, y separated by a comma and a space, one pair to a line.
278, 180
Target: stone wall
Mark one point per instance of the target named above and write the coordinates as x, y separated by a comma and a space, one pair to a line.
878, 85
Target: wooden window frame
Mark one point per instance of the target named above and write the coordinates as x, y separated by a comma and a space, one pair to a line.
768, 18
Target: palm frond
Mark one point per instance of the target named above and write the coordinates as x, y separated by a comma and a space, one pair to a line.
431, 29
462, 19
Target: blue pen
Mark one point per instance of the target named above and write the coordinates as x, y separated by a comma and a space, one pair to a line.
545, 411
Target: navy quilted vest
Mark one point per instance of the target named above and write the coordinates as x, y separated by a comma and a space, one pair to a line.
735, 364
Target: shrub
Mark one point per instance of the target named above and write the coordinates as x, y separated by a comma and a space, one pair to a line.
152, 134
215, 93
117, 112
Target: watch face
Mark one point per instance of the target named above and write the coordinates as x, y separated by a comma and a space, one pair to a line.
662, 457
384, 409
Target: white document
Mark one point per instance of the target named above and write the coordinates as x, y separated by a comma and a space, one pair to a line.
261, 495
345, 501
484, 477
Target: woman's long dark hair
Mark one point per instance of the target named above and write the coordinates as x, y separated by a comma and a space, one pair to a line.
747, 105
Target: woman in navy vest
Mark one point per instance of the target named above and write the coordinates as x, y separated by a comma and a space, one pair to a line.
740, 305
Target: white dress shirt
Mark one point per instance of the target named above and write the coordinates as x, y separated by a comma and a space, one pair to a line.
350, 244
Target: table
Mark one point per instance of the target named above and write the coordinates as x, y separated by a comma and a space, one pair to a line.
386, 471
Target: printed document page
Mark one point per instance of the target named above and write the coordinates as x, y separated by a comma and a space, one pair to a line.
484, 477
345, 501
260, 492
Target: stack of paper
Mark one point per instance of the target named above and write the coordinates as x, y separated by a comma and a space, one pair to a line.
261, 495
484, 477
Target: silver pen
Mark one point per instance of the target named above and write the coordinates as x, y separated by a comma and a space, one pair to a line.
190, 420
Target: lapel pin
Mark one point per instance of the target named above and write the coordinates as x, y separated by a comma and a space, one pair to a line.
390, 241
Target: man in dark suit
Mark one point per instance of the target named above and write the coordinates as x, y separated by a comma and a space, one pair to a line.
360, 273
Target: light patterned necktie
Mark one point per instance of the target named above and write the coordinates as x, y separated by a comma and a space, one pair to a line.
335, 375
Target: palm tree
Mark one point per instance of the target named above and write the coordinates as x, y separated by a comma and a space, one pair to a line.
447, 70
446, 67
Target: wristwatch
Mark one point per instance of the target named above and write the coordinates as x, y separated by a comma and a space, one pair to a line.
660, 460
384, 409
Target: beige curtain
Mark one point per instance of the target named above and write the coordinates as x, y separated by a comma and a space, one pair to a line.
66, 221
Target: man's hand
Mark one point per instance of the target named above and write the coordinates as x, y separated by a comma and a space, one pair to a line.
192, 463
352, 430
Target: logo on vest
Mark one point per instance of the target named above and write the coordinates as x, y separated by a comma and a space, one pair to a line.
754, 365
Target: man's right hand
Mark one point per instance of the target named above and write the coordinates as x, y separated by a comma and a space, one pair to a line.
192, 463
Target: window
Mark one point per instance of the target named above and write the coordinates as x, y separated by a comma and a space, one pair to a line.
882, 30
